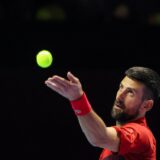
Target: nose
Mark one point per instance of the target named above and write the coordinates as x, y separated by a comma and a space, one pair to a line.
121, 94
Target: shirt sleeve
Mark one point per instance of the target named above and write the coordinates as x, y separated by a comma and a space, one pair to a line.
132, 140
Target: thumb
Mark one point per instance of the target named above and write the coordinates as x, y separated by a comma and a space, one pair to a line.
72, 78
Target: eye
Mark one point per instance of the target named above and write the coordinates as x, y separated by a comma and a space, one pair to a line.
130, 91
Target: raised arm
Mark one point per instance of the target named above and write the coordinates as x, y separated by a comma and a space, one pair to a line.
91, 124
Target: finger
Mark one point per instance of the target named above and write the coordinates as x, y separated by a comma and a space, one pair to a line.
52, 85
72, 78
57, 88
56, 82
61, 81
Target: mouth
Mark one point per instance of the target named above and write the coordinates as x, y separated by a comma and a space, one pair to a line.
118, 105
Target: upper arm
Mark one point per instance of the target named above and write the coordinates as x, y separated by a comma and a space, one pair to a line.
112, 140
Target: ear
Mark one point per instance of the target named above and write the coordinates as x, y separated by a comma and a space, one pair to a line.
148, 104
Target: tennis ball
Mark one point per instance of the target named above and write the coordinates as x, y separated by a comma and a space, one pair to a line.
44, 58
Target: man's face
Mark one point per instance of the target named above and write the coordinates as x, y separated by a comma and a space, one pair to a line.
128, 101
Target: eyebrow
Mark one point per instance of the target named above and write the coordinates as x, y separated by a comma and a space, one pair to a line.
128, 88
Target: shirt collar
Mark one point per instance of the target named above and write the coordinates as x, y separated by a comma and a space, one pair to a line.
142, 121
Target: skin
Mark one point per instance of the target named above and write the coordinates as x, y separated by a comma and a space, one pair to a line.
129, 100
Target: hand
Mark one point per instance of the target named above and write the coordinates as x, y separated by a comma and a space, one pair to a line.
70, 88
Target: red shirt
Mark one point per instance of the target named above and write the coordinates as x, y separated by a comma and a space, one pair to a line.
136, 143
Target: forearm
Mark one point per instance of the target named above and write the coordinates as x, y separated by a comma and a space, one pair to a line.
94, 128
92, 125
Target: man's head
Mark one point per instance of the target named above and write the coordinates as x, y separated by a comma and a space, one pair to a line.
137, 93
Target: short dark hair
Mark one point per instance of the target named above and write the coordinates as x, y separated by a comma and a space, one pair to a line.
148, 77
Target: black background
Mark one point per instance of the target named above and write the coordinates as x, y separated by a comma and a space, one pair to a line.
38, 120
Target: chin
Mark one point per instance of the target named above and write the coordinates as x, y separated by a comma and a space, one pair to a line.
116, 113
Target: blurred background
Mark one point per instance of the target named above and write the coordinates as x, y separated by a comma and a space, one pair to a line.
96, 40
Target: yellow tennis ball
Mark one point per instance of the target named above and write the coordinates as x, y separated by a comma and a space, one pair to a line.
44, 58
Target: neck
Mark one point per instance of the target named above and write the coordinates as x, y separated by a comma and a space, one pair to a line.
118, 123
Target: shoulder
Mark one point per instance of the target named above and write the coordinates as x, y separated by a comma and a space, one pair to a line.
134, 136
135, 130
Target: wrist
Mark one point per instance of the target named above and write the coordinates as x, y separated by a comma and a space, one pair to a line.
81, 106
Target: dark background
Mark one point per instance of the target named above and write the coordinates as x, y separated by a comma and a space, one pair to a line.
86, 38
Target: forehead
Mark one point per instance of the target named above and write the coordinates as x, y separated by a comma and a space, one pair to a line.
130, 83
